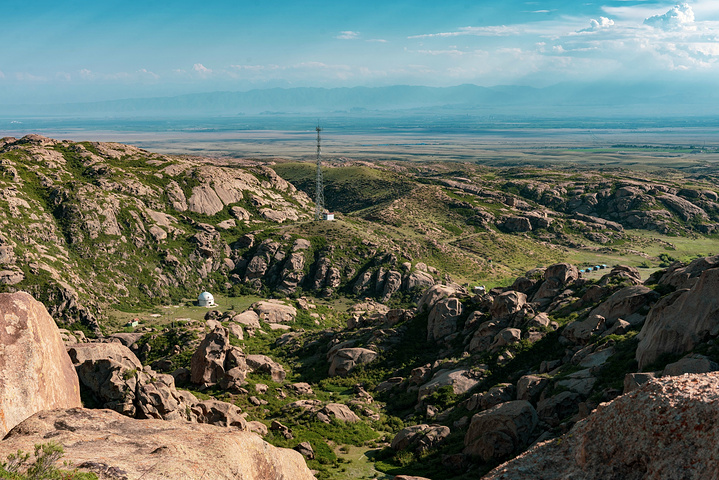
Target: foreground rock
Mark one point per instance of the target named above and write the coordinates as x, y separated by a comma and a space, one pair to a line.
665, 429
35, 371
118, 447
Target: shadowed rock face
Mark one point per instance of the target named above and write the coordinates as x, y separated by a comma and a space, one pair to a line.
681, 320
35, 371
665, 429
105, 441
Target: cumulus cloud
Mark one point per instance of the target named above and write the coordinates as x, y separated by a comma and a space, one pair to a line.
201, 69
677, 18
348, 35
603, 22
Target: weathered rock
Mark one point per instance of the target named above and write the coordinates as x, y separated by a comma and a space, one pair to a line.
392, 284
249, 319
460, 379
208, 362
679, 321
682, 276
345, 359
302, 388
434, 294
693, 363
625, 302
555, 278
662, 430
530, 387
420, 437
265, 364
500, 431
35, 371
305, 448
508, 303
582, 330
339, 411
506, 337
554, 409
484, 336
498, 394
218, 413
275, 311
418, 279
632, 381
442, 320
103, 440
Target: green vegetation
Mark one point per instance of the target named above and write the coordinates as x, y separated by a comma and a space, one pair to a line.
19, 466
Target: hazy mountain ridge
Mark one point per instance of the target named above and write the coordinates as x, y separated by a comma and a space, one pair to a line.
574, 99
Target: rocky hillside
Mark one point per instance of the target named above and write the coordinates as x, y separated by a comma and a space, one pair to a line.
90, 224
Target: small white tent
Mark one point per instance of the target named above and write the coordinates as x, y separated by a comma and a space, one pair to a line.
206, 300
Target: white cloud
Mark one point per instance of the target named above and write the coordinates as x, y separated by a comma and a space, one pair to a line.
377, 40
146, 73
348, 35
497, 30
677, 18
201, 69
603, 22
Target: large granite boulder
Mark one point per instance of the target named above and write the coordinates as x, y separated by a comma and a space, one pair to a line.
681, 320
442, 320
507, 303
35, 371
625, 302
346, 359
208, 362
275, 311
115, 379
117, 447
664, 429
555, 278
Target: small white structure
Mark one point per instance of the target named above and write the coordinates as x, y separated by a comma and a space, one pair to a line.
328, 216
206, 300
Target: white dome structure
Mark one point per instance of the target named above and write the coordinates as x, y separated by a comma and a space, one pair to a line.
206, 299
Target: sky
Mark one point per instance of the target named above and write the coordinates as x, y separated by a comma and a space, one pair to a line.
78, 50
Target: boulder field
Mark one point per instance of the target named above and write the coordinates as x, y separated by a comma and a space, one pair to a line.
40, 401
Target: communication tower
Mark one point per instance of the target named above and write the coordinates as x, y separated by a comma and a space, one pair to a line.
320, 188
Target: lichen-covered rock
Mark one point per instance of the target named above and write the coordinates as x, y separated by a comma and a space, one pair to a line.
35, 371
104, 441
662, 430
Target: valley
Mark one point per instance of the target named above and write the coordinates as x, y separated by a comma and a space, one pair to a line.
366, 336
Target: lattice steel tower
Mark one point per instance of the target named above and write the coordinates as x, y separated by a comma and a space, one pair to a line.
320, 188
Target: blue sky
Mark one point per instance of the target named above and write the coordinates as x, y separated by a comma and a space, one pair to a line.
65, 51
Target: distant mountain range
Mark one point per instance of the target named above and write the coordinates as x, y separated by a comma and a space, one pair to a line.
601, 99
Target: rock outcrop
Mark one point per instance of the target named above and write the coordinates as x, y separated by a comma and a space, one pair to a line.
117, 447
35, 371
664, 429
681, 320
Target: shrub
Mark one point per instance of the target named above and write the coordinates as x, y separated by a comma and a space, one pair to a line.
19, 467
